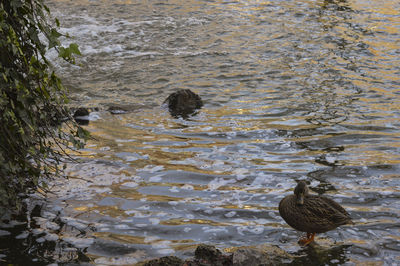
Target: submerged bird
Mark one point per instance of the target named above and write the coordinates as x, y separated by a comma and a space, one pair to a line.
183, 103
311, 213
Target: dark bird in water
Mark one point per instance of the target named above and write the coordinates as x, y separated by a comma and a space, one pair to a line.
311, 213
183, 103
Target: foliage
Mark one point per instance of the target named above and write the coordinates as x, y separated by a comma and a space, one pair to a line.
32, 100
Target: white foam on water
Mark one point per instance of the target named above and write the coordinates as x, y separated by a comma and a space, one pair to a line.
154, 221
48, 215
37, 231
239, 221
51, 225
149, 239
386, 192
164, 244
240, 173
23, 235
230, 214
4, 233
129, 212
156, 178
174, 189
116, 261
242, 230
152, 169
261, 180
351, 231
129, 185
314, 183
79, 242
51, 237
262, 221
40, 239
372, 232
188, 187
219, 229
122, 226
165, 251
330, 159
273, 214
209, 211
219, 182
144, 207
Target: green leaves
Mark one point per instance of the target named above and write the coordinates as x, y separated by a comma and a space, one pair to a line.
32, 98
67, 53
53, 38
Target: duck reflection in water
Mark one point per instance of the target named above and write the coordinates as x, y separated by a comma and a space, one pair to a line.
311, 213
183, 103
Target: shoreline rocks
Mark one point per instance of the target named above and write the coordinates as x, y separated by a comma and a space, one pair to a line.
208, 255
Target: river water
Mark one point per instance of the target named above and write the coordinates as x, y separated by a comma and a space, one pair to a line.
292, 90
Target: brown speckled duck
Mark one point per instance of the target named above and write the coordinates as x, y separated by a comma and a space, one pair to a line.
183, 103
311, 213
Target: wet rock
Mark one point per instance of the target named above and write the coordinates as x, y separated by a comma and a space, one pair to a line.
80, 116
183, 103
209, 255
115, 110
165, 261
81, 111
207, 252
206, 255
259, 255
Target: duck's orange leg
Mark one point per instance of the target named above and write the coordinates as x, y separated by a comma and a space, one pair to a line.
307, 240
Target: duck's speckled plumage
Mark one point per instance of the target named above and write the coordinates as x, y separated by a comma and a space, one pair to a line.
316, 214
183, 102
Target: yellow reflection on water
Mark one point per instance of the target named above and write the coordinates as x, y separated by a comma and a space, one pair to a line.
182, 221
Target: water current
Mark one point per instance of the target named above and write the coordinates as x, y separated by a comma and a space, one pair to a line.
292, 90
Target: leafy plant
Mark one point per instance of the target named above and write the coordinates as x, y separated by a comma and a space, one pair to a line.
32, 100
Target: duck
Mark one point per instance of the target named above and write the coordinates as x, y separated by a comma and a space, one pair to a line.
312, 214
183, 103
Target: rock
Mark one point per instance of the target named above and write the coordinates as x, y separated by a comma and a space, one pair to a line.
81, 111
206, 255
116, 110
259, 255
183, 103
165, 261
80, 116
207, 252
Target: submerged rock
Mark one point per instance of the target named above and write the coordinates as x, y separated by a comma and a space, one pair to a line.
81, 116
207, 255
81, 111
164, 261
259, 255
183, 103
116, 109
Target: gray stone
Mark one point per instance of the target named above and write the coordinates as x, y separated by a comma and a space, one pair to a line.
259, 255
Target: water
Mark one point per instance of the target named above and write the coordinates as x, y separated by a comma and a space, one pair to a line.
292, 90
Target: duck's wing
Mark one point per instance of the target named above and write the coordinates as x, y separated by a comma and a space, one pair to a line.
340, 215
327, 210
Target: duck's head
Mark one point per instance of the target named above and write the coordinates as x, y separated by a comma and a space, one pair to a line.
301, 191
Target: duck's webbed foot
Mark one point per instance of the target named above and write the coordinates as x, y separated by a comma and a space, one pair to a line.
307, 240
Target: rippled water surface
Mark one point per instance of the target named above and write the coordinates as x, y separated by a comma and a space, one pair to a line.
292, 90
